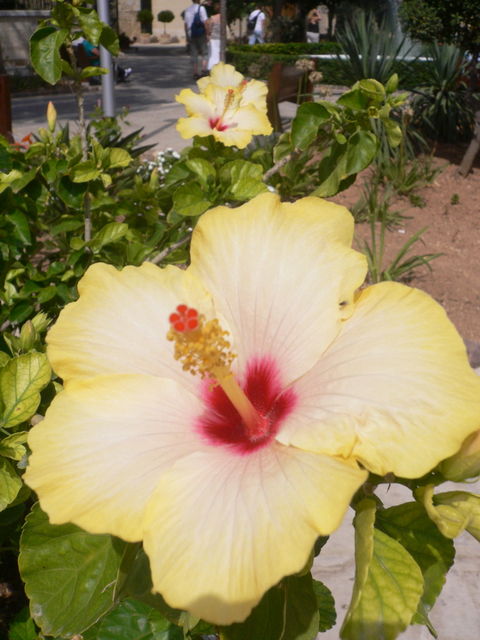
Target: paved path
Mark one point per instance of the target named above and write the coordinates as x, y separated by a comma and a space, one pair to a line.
159, 73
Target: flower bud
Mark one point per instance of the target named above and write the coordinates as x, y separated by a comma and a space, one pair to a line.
466, 462
28, 336
51, 116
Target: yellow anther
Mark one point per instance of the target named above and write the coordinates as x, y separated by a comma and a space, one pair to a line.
204, 351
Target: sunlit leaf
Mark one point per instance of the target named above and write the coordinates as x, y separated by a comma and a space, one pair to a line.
45, 46
410, 525
10, 483
453, 511
388, 582
21, 381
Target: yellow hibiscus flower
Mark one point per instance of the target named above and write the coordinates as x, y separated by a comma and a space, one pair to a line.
229, 475
228, 107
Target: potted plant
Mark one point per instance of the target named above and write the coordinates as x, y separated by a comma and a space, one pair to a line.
165, 17
145, 17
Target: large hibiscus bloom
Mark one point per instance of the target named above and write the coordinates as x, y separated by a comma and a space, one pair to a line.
229, 475
228, 107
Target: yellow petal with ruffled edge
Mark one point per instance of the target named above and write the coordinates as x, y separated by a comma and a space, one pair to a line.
256, 520
119, 323
394, 390
288, 309
223, 75
101, 449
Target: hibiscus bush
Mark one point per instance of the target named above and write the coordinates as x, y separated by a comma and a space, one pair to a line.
217, 385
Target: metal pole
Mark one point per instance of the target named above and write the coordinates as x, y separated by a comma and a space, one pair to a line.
108, 92
223, 29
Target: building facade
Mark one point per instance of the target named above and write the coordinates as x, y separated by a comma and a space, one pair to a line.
128, 24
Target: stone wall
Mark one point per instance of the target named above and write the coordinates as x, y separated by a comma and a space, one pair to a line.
127, 18
16, 28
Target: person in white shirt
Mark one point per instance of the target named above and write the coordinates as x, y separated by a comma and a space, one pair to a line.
195, 17
258, 32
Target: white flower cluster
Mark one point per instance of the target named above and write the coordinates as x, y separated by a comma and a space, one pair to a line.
163, 161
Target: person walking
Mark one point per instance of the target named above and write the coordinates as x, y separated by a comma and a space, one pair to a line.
213, 35
256, 25
195, 19
313, 26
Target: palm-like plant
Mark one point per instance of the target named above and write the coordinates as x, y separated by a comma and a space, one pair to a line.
444, 109
371, 48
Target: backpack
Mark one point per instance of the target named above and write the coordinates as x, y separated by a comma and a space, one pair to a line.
198, 28
251, 23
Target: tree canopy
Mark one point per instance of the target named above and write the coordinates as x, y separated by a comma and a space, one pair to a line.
452, 21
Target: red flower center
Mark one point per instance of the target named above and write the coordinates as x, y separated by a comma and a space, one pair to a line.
221, 423
216, 123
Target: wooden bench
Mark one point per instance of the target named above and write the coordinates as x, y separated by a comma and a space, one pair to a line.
286, 83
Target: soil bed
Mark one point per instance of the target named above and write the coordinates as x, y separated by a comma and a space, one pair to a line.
452, 217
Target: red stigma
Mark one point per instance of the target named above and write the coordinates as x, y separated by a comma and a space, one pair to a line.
184, 319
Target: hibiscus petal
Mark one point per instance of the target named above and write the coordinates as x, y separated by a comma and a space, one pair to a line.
196, 104
395, 390
194, 126
274, 283
248, 119
256, 519
255, 92
120, 323
223, 75
102, 447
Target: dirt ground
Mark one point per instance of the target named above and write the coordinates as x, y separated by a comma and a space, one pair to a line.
452, 217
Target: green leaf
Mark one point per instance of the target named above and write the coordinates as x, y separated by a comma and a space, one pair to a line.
309, 117
118, 158
45, 46
70, 224
71, 193
69, 574
22, 627
354, 99
4, 358
21, 381
21, 227
392, 84
109, 40
133, 620
22, 181
85, 171
91, 25
373, 89
10, 483
410, 525
393, 131
189, 200
111, 232
361, 150
288, 611
452, 511
326, 606
135, 581
203, 170
13, 446
388, 582
244, 179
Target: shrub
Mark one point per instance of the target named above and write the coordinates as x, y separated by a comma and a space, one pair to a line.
443, 109
165, 17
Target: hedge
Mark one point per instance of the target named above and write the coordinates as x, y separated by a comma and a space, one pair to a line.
412, 73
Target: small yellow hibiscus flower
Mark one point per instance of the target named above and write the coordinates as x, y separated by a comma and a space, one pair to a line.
228, 107
232, 409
